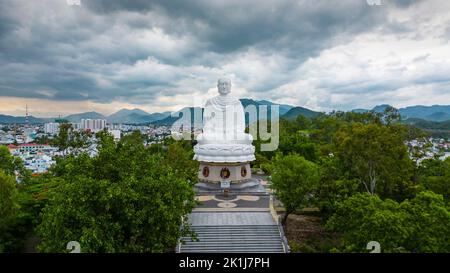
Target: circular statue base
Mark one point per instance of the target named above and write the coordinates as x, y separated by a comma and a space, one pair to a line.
252, 186
212, 172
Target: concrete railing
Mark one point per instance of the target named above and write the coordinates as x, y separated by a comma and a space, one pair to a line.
277, 218
284, 240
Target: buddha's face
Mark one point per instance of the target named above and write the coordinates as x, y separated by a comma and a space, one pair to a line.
224, 86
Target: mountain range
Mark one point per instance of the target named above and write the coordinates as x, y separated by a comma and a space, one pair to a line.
435, 113
283, 110
296, 111
127, 116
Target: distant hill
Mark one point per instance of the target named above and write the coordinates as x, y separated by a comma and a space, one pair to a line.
436, 113
426, 124
430, 113
380, 108
283, 108
436, 129
360, 111
377, 109
173, 117
135, 116
296, 111
438, 116
424, 112
87, 115
124, 113
250, 119
14, 119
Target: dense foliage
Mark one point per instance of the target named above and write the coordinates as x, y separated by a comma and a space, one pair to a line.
123, 200
417, 225
8, 208
127, 198
370, 185
294, 180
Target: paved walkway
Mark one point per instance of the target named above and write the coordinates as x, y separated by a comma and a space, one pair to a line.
236, 201
228, 209
230, 218
240, 222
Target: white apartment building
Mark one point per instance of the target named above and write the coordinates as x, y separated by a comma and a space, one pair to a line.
93, 125
115, 133
51, 128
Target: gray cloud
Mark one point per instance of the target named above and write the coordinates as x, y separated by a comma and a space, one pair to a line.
139, 51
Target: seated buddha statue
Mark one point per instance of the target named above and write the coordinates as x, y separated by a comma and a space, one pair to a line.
224, 118
224, 138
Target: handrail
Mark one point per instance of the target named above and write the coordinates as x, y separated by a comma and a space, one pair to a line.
284, 240
277, 217
178, 247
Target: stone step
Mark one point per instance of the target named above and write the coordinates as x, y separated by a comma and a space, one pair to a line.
237, 231
236, 227
259, 234
237, 238
230, 249
255, 231
234, 251
222, 247
218, 246
266, 237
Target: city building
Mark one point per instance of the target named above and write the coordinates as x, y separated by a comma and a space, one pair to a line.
51, 128
29, 147
36, 157
115, 133
93, 125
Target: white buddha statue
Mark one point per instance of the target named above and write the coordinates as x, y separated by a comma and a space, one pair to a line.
224, 138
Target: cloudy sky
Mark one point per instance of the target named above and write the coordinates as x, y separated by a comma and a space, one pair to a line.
165, 54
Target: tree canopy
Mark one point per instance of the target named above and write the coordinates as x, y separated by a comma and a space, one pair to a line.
126, 199
421, 224
294, 180
8, 208
371, 186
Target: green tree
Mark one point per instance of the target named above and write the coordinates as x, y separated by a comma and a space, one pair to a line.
428, 216
8, 209
62, 140
324, 127
294, 180
435, 176
377, 157
363, 218
390, 115
43, 140
298, 143
334, 187
79, 141
126, 199
418, 225
260, 160
179, 158
13, 165
7, 163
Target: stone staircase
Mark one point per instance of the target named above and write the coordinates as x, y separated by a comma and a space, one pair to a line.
259, 236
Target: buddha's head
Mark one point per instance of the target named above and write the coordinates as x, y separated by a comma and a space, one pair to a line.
224, 86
